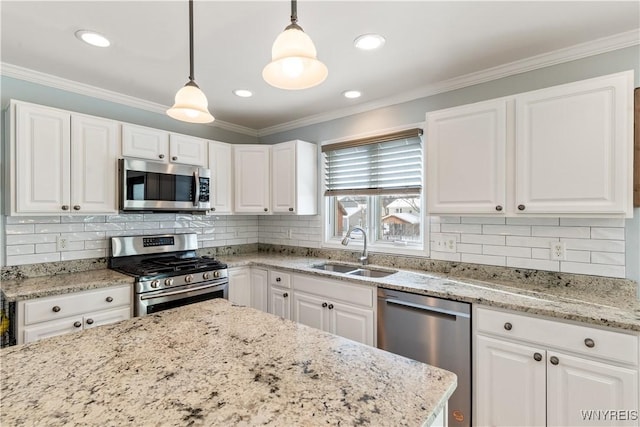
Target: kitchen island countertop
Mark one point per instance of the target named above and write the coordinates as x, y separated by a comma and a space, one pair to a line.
213, 363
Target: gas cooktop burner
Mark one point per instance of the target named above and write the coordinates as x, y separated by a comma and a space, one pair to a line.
166, 265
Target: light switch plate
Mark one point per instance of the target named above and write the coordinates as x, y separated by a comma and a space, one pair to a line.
445, 243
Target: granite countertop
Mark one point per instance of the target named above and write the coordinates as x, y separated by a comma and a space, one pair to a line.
213, 363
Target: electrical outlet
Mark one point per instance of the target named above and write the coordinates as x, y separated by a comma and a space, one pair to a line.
445, 243
290, 233
62, 243
558, 251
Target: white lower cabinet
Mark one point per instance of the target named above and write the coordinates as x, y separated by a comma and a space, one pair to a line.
248, 287
57, 315
534, 372
280, 294
259, 288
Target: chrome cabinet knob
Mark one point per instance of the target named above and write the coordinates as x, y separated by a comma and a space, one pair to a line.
589, 343
161, 156
278, 279
56, 308
266, 210
76, 207
65, 207
77, 324
285, 295
520, 207
537, 357
290, 209
174, 158
109, 299
554, 360
324, 305
508, 326
330, 306
89, 321
498, 208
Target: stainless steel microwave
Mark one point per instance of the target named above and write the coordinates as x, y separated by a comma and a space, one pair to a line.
151, 186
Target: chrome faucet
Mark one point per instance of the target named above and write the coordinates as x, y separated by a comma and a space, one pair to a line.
365, 256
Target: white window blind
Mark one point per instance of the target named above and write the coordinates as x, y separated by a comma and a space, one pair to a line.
385, 164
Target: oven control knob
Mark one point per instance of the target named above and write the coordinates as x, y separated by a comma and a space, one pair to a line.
154, 284
206, 275
216, 274
188, 278
168, 282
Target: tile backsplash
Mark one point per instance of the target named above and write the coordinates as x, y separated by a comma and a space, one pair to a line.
593, 246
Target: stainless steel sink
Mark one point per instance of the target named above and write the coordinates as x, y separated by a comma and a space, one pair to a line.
353, 270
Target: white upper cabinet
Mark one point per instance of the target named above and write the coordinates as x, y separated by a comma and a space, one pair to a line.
61, 163
573, 147
564, 150
145, 143
466, 158
221, 165
252, 174
162, 146
294, 178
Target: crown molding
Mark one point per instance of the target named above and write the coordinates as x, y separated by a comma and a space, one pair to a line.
49, 80
583, 50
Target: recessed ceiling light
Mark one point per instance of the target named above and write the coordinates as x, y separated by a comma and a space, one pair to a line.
92, 38
243, 93
351, 94
369, 41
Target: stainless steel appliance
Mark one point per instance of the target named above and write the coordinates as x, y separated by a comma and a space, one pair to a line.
151, 186
167, 270
434, 331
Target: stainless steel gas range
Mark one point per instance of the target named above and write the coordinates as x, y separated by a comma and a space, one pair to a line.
168, 272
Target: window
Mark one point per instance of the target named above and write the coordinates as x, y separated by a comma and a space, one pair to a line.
376, 183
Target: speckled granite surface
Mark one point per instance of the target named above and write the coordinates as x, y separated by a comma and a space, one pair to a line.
215, 364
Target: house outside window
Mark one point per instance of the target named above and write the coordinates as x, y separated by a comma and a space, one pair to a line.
376, 183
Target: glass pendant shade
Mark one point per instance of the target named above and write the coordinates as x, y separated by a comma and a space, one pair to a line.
294, 64
191, 105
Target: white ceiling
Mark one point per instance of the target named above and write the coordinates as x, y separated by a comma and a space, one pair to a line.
427, 42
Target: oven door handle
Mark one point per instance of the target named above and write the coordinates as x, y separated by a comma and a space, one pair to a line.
196, 193
183, 291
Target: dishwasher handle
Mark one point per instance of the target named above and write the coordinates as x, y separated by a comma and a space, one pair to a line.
431, 310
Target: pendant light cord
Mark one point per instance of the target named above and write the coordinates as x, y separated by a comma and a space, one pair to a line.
294, 11
191, 76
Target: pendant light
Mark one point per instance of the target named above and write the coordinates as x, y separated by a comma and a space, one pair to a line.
190, 103
294, 64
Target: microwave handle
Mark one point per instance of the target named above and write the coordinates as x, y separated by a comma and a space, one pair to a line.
196, 193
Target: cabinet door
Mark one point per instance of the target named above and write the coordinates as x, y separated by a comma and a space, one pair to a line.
106, 317
283, 167
50, 329
259, 289
42, 170
252, 178
280, 302
220, 163
510, 384
351, 322
579, 387
309, 310
465, 164
574, 147
95, 146
145, 143
240, 286
188, 150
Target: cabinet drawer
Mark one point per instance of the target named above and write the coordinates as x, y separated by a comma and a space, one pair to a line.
584, 340
278, 278
58, 307
335, 290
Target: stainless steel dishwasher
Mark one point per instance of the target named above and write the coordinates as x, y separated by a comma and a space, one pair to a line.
431, 330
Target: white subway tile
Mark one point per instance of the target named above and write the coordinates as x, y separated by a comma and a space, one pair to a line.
607, 258
141, 225
573, 232
33, 219
461, 228
436, 236
533, 221
159, 217
507, 230
514, 251
531, 242
23, 239
174, 224
108, 226
536, 264
187, 217
579, 256
33, 259
484, 259
434, 227
60, 228
449, 220
482, 239
445, 256
540, 253
96, 244
46, 247
497, 220
73, 246
93, 253
607, 233
116, 233
592, 269
19, 250
201, 224
594, 245
82, 218
125, 217
469, 248
85, 235
593, 222
19, 229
